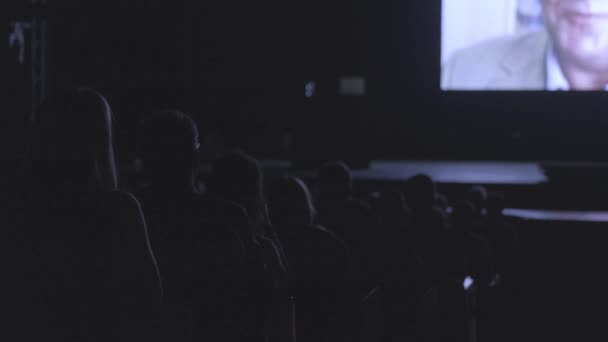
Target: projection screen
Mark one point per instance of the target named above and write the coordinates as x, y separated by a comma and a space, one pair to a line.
519, 45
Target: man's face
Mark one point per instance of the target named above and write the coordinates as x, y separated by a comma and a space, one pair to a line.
579, 29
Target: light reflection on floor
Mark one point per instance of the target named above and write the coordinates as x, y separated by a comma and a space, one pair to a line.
458, 172
559, 215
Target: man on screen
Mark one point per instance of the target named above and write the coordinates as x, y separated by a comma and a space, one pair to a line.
571, 53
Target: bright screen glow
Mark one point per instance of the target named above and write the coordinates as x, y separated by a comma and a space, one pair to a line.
467, 283
554, 45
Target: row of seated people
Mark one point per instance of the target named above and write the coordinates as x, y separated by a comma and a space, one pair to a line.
168, 262
420, 249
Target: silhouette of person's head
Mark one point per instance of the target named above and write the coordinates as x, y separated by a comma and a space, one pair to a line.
291, 203
335, 182
168, 144
463, 216
441, 202
72, 144
477, 196
420, 193
393, 208
237, 177
495, 204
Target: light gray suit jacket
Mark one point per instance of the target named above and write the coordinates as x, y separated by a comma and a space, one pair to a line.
513, 63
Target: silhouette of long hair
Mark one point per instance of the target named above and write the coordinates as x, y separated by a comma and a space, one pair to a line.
291, 202
335, 181
238, 177
71, 144
168, 143
420, 193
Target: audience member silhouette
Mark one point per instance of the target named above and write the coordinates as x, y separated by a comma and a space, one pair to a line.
393, 210
421, 197
462, 252
195, 238
319, 264
352, 220
404, 280
89, 272
495, 205
477, 196
237, 177
472, 249
428, 223
500, 303
441, 202
168, 145
461, 258
395, 225
504, 238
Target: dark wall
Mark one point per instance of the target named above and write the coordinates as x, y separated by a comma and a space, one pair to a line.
16, 98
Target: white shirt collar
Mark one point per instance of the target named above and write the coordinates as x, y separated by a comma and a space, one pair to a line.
556, 80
